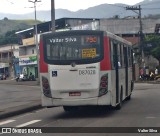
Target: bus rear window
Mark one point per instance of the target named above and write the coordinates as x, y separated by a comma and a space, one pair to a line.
70, 47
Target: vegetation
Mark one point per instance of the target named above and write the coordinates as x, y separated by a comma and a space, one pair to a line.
152, 46
9, 38
9, 27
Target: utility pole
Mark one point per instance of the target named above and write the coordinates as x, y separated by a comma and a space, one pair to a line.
53, 15
36, 36
134, 9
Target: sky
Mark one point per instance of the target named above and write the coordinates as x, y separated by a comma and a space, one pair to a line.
23, 6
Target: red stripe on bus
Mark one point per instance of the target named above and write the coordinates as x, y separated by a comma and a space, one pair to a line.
105, 64
43, 65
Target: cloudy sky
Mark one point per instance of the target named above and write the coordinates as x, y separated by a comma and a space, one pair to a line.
23, 6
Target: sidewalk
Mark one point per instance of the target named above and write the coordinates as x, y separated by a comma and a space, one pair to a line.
149, 82
19, 100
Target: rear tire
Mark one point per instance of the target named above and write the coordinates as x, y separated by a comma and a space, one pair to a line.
119, 106
128, 97
70, 108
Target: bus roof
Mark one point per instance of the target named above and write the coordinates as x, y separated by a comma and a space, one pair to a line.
111, 35
106, 33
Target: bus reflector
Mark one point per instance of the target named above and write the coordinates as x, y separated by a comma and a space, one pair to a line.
103, 85
104, 78
46, 87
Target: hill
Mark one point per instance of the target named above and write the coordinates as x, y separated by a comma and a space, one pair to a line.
16, 22
149, 7
10, 25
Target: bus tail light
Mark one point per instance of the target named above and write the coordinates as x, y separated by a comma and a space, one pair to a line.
46, 87
103, 85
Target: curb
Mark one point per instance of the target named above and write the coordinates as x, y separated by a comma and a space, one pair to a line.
30, 83
148, 82
14, 111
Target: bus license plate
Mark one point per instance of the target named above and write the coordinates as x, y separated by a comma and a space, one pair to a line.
75, 94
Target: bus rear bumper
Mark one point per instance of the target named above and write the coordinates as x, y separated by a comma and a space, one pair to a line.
103, 100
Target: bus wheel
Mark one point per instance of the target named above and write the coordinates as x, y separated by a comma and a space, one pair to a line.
70, 108
119, 106
128, 97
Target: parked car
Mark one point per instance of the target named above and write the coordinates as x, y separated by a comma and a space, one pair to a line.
2, 76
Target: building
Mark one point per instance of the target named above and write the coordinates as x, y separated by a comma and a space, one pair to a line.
27, 52
8, 55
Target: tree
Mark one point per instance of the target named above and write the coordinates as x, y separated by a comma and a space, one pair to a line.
9, 38
156, 53
5, 19
151, 46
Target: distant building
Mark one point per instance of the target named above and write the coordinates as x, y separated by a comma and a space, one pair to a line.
8, 54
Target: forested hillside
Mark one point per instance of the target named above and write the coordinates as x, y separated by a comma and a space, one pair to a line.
9, 27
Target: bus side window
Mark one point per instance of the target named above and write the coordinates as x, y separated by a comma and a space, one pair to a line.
129, 56
119, 56
122, 56
125, 55
111, 54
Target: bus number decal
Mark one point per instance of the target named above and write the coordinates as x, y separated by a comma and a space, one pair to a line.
87, 72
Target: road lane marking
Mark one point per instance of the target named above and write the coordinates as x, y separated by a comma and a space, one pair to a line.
28, 123
6, 122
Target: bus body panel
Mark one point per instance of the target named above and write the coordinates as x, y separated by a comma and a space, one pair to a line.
65, 81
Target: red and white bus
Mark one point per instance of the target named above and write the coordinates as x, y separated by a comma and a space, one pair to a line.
85, 67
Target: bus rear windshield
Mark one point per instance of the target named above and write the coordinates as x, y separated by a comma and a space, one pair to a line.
67, 48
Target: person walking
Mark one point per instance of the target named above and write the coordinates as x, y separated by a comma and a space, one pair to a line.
141, 73
156, 71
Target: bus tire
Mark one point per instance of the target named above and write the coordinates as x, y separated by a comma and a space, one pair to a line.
119, 106
70, 108
128, 97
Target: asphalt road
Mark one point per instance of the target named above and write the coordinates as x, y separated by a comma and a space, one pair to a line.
16, 99
141, 111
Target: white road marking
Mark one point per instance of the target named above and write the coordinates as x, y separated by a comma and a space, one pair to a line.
6, 122
28, 123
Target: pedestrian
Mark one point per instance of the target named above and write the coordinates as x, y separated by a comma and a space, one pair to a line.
156, 71
141, 73
152, 76
147, 73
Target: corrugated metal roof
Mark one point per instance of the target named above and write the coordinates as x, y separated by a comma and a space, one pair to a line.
32, 28
128, 26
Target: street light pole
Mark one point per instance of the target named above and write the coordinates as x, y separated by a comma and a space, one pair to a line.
36, 36
53, 15
134, 9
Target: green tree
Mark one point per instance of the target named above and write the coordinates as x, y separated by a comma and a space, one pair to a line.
9, 38
151, 46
